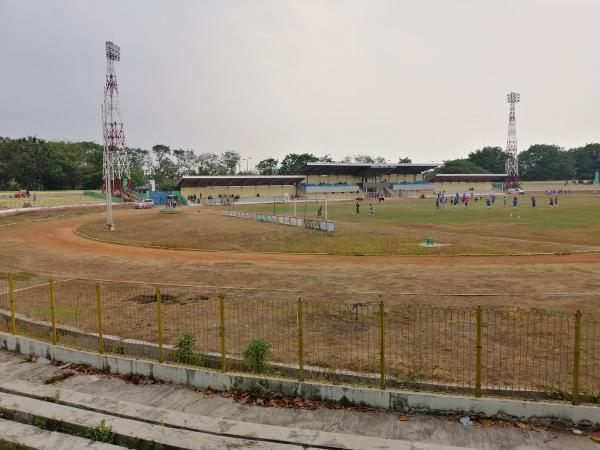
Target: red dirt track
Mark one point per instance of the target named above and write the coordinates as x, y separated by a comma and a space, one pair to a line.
53, 247
61, 236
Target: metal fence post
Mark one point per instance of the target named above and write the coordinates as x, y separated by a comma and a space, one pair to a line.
382, 344
576, 357
300, 341
11, 293
99, 311
52, 311
159, 326
478, 354
222, 332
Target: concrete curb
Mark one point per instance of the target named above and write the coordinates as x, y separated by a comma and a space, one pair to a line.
393, 400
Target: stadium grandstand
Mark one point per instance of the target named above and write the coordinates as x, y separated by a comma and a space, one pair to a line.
227, 189
332, 180
371, 180
463, 182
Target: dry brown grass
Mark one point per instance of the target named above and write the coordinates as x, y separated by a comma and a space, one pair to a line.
522, 349
397, 228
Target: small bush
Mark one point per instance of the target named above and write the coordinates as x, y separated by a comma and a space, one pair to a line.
554, 393
184, 350
102, 433
413, 381
256, 356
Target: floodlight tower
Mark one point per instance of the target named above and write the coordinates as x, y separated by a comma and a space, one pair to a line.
115, 159
512, 159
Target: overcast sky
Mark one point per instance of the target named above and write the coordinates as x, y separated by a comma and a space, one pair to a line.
425, 79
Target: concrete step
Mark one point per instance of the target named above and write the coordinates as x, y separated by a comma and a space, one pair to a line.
129, 433
150, 417
24, 437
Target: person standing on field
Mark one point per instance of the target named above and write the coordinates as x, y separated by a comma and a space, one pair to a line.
533, 201
357, 207
371, 210
515, 201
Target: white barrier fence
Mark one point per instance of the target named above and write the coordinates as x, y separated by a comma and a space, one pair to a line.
315, 224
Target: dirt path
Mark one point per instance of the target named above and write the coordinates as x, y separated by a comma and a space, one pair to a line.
52, 247
61, 236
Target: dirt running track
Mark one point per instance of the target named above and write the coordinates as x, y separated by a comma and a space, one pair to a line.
52, 247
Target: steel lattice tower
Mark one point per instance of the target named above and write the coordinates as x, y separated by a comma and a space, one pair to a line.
115, 159
512, 158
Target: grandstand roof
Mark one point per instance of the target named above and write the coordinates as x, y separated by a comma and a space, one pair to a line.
359, 169
467, 177
238, 180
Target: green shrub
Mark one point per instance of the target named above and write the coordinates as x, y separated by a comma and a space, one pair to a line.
555, 393
184, 350
102, 433
256, 356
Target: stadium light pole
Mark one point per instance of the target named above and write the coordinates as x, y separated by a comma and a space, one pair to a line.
512, 157
115, 157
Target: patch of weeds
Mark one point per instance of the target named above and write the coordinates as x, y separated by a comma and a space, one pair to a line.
594, 397
259, 390
54, 398
38, 422
256, 356
184, 350
554, 393
102, 433
118, 349
329, 376
413, 381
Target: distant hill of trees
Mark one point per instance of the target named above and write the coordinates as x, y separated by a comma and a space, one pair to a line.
37, 164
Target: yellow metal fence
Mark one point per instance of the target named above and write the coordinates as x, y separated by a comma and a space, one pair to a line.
500, 351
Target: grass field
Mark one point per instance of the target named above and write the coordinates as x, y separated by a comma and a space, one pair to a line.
47, 198
396, 228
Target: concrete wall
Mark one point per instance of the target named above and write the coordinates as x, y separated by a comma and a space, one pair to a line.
394, 400
461, 187
242, 191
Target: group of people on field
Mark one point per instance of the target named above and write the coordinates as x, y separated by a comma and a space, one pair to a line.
442, 200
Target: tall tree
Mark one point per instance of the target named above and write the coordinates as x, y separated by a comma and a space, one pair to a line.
230, 160
460, 166
267, 166
294, 161
489, 158
545, 162
185, 160
586, 161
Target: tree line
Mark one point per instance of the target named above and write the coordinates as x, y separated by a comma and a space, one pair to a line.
538, 162
36, 164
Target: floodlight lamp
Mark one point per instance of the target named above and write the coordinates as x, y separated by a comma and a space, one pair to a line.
113, 51
513, 97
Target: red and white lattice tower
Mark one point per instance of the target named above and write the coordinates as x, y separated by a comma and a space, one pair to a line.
116, 179
512, 159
